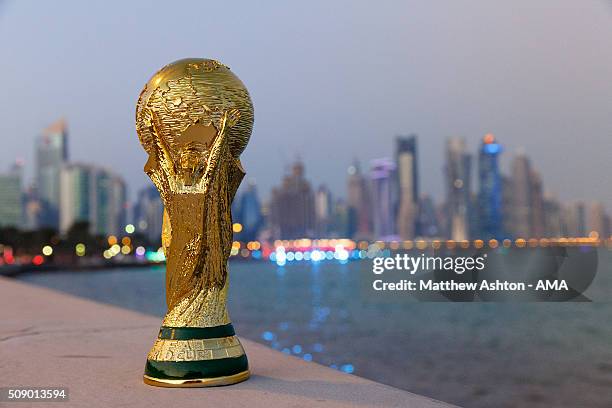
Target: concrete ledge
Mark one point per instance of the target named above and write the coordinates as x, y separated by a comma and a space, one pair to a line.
98, 351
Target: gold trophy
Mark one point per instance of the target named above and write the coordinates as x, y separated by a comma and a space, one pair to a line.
194, 118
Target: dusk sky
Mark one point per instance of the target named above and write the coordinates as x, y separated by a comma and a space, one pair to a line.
330, 81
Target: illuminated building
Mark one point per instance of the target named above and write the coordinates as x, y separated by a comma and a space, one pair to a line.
92, 195
248, 213
407, 186
359, 205
76, 200
323, 208
520, 212
574, 220
458, 189
508, 207
292, 206
339, 223
597, 220
32, 209
474, 214
148, 214
11, 198
51, 154
442, 220
382, 174
490, 189
111, 203
525, 217
536, 203
428, 217
553, 225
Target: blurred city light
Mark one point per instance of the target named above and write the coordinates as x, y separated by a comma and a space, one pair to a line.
267, 335
80, 249
155, 256
38, 260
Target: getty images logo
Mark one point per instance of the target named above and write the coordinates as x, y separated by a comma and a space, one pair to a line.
414, 264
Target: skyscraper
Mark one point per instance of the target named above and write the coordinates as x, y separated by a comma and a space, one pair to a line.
596, 220
443, 219
428, 217
552, 217
77, 198
93, 195
323, 208
382, 174
359, 204
407, 186
292, 206
111, 203
536, 203
474, 216
148, 214
249, 213
490, 188
507, 208
32, 209
574, 220
458, 189
11, 205
520, 212
527, 218
51, 154
340, 219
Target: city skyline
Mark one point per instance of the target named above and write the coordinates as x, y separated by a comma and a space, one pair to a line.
64, 194
510, 69
383, 203
59, 129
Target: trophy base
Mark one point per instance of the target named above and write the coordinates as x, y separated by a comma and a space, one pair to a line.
196, 357
198, 382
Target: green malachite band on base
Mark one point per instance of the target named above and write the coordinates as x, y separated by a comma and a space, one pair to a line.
189, 333
187, 370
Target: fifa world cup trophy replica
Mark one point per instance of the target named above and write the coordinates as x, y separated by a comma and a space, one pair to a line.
194, 119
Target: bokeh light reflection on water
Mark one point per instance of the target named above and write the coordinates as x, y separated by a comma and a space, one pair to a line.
471, 354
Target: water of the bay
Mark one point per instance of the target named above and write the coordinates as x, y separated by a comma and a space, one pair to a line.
471, 354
